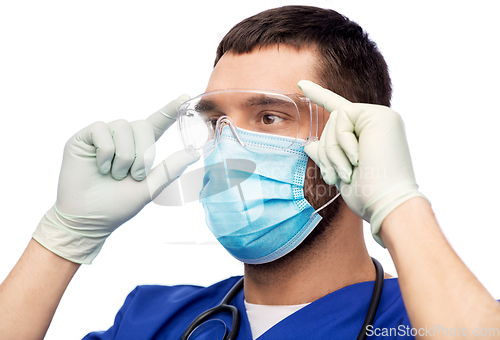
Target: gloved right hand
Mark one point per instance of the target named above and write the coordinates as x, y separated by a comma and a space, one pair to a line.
105, 180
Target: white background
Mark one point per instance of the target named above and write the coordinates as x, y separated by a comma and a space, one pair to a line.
66, 64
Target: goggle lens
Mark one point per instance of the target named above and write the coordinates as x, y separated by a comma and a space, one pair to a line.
288, 115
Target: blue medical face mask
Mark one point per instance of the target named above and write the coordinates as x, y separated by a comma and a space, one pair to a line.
253, 195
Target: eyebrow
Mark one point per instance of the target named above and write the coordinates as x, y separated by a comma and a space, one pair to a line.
257, 100
206, 105
262, 100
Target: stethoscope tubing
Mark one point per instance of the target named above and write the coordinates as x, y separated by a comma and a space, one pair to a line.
223, 306
377, 293
235, 327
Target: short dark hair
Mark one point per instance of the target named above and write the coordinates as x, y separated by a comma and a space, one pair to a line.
348, 62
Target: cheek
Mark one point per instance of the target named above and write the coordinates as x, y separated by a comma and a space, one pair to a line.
311, 181
313, 172
316, 191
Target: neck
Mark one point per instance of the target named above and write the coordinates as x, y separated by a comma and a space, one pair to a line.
336, 259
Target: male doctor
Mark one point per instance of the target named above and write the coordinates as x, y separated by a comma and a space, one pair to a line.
307, 271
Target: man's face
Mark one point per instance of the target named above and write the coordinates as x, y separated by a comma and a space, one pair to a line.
280, 69
269, 68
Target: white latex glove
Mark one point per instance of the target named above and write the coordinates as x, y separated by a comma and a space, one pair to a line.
105, 180
363, 150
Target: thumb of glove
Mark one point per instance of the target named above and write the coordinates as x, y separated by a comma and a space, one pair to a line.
168, 171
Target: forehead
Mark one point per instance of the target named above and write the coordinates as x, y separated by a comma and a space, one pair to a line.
271, 68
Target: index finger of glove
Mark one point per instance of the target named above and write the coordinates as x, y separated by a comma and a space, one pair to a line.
321, 96
166, 116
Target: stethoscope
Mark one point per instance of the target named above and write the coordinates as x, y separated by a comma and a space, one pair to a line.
235, 327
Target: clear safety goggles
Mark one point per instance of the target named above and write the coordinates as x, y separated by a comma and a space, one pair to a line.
202, 118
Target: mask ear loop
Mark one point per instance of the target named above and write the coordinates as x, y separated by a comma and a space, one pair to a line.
325, 205
221, 122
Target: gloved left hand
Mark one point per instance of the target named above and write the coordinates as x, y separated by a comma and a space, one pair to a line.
363, 150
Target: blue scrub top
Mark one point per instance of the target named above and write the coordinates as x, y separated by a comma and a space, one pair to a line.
161, 312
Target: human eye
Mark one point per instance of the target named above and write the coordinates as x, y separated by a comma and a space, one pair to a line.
211, 122
268, 119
